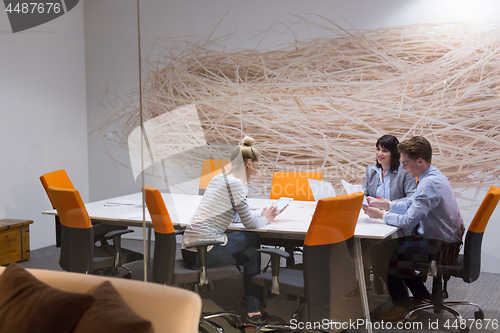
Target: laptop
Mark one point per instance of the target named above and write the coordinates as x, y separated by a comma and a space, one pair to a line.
321, 189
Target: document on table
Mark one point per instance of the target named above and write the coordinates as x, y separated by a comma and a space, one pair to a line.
124, 202
349, 188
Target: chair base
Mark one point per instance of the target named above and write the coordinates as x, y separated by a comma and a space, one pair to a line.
447, 306
206, 318
272, 327
113, 271
105, 261
212, 324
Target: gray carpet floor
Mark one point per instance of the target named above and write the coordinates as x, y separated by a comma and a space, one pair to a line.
229, 293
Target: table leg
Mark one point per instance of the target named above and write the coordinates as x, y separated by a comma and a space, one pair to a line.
290, 261
149, 248
361, 283
58, 231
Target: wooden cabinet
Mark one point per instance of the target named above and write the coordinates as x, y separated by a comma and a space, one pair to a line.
14, 240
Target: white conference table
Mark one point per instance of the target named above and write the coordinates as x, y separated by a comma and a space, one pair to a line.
293, 223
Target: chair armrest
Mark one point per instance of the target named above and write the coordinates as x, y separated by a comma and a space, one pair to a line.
179, 232
434, 269
115, 233
201, 248
273, 252
205, 243
276, 255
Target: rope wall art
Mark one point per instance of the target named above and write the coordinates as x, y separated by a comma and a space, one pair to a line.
321, 104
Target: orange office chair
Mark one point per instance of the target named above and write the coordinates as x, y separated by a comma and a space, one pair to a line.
57, 178
466, 266
60, 179
78, 252
210, 169
328, 265
293, 185
167, 270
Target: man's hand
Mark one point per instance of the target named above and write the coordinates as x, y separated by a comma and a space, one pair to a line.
378, 203
373, 212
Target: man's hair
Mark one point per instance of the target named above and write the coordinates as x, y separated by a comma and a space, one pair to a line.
416, 147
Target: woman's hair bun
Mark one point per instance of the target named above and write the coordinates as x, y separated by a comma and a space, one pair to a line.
248, 141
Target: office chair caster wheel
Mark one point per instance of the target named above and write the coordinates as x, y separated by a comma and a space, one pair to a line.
127, 276
479, 315
238, 323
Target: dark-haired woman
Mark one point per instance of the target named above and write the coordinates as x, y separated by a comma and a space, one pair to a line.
385, 180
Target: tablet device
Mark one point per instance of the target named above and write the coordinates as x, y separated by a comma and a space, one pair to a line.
321, 189
282, 202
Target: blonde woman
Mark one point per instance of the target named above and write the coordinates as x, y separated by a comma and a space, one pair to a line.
225, 201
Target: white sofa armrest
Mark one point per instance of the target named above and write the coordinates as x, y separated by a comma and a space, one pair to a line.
170, 309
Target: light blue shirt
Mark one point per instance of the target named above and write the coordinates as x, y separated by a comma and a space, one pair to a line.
432, 207
384, 184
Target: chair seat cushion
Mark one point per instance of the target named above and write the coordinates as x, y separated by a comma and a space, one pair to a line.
31, 306
457, 269
187, 275
109, 314
291, 281
130, 256
103, 257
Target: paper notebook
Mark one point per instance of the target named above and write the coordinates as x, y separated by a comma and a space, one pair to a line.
349, 188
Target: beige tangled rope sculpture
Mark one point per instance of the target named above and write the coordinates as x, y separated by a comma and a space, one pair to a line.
321, 104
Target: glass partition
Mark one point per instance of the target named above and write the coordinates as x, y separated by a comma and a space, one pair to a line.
114, 111
173, 84
316, 87
124, 94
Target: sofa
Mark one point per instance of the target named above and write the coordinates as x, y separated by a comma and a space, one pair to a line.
169, 309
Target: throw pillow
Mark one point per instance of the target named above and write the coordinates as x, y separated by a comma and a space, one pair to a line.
31, 306
109, 314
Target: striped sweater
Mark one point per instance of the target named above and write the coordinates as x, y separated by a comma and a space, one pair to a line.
215, 212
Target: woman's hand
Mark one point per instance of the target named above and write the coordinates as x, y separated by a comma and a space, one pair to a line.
373, 212
378, 203
271, 212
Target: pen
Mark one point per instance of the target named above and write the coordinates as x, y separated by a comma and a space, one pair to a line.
369, 201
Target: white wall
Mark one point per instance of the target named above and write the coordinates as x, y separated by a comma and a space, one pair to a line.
490, 248
112, 55
43, 116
